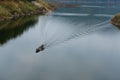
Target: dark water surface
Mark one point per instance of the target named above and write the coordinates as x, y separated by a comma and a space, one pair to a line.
80, 42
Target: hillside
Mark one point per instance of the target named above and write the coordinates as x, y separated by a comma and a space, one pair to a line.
17, 8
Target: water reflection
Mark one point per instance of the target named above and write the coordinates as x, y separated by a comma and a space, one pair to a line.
93, 56
13, 28
118, 27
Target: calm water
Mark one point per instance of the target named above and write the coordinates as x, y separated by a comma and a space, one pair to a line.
80, 42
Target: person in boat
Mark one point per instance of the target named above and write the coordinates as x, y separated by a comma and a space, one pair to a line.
41, 48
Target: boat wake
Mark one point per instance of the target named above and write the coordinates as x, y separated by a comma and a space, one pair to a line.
59, 40
56, 31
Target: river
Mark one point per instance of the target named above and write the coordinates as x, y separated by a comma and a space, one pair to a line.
80, 44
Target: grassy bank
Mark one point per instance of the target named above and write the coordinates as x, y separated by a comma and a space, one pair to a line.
17, 8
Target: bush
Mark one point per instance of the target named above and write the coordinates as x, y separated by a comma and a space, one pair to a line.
4, 13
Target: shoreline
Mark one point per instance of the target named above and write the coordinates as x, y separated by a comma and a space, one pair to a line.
116, 20
15, 16
23, 9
